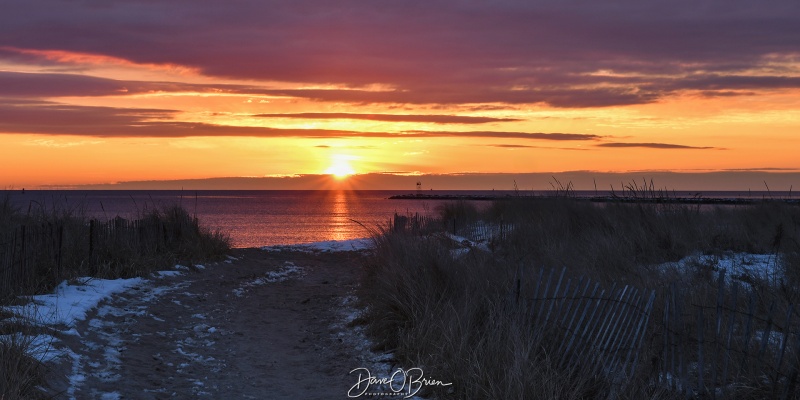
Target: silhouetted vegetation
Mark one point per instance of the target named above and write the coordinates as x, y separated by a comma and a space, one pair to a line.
42, 246
468, 312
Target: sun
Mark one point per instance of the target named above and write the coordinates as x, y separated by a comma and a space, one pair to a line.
340, 169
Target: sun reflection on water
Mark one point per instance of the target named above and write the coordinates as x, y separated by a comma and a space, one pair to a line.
340, 218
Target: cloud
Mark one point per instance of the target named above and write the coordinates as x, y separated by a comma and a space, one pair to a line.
513, 146
436, 119
478, 93
768, 169
61, 119
42, 85
657, 146
448, 52
524, 146
54, 143
46, 85
509, 135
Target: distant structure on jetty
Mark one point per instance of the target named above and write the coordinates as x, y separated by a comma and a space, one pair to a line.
424, 196
600, 199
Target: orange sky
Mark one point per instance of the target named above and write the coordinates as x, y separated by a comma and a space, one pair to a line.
85, 101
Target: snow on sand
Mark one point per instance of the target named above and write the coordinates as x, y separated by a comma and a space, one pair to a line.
73, 300
325, 247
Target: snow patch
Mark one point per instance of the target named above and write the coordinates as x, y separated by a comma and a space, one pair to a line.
465, 244
742, 267
163, 274
329, 246
282, 274
355, 336
71, 301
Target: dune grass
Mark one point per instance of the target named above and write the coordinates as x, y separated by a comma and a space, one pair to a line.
450, 312
42, 246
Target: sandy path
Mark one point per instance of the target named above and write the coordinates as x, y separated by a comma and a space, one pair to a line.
266, 325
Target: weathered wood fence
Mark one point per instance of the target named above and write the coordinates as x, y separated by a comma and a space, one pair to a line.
600, 331
34, 256
726, 341
29, 254
476, 231
739, 344
733, 340
415, 224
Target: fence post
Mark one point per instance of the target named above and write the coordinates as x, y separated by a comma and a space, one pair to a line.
91, 237
60, 252
23, 256
701, 327
792, 384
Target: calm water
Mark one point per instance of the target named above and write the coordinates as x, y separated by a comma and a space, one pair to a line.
259, 218
252, 218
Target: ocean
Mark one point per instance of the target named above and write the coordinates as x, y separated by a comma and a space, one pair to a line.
251, 218
266, 218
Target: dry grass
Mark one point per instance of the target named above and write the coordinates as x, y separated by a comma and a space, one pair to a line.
21, 375
453, 316
41, 247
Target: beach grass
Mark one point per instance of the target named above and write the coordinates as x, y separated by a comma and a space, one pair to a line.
457, 312
21, 376
42, 246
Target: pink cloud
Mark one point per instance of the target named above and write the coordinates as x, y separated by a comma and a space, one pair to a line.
508, 51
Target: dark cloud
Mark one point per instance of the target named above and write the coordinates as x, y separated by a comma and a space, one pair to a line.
770, 169
60, 119
564, 97
725, 93
656, 146
513, 146
510, 135
450, 51
16, 84
524, 146
38, 85
436, 119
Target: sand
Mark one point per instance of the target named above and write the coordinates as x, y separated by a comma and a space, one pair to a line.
261, 326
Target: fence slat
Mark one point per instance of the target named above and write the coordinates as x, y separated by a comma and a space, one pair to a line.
749, 329
729, 338
555, 294
701, 327
640, 331
580, 322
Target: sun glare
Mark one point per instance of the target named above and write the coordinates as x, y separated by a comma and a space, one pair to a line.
340, 169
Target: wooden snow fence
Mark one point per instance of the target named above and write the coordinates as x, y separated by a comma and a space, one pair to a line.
29, 254
597, 330
485, 232
728, 343
34, 256
414, 224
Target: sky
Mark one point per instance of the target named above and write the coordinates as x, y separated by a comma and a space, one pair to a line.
101, 92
